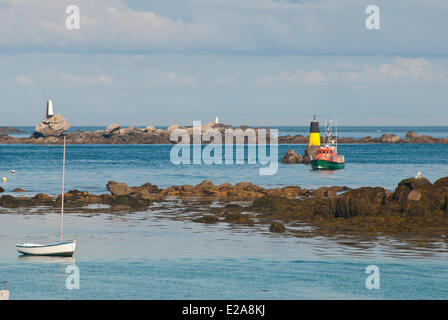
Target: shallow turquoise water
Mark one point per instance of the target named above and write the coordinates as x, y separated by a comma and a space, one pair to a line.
146, 256
143, 256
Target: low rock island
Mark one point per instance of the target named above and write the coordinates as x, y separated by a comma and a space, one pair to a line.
52, 129
416, 205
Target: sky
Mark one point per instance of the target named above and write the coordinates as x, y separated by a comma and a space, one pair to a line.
254, 62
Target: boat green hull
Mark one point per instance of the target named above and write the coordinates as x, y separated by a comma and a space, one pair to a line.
326, 165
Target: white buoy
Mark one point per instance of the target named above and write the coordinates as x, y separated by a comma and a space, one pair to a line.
13, 171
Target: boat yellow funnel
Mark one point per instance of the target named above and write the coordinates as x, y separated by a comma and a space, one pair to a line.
314, 133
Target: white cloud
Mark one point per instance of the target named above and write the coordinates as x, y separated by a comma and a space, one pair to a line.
218, 26
400, 70
22, 79
63, 79
157, 78
79, 80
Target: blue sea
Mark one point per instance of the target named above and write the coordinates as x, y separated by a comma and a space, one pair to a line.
147, 255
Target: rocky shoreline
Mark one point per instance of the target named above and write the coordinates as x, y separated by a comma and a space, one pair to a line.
410, 137
7, 129
50, 131
416, 205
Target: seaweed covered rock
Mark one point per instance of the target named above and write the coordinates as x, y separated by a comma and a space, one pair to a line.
277, 227
360, 202
127, 201
207, 219
237, 218
416, 183
8, 201
74, 198
43, 199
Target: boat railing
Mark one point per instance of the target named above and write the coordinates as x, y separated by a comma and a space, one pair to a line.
3, 285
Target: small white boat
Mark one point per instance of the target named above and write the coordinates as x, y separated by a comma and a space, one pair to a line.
62, 249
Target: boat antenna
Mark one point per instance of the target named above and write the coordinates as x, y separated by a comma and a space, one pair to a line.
336, 124
326, 131
62, 195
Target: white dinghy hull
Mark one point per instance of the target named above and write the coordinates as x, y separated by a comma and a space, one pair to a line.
64, 249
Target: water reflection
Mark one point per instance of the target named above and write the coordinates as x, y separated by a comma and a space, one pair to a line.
46, 259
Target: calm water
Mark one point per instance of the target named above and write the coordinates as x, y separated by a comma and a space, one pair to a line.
144, 255
89, 167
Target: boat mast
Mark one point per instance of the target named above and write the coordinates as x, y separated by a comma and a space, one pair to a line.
62, 195
336, 123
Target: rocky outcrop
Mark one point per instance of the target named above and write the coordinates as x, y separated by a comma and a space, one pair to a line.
360, 202
146, 191
118, 189
50, 131
310, 153
111, 130
171, 128
415, 205
52, 127
298, 139
389, 138
412, 137
292, 157
277, 227
6, 129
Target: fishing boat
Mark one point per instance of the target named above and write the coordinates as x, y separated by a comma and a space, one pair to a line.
327, 157
62, 249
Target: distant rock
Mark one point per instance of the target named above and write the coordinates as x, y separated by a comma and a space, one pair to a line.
2, 190
413, 137
6, 129
389, 138
111, 130
52, 127
18, 190
292, 157
171, 128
